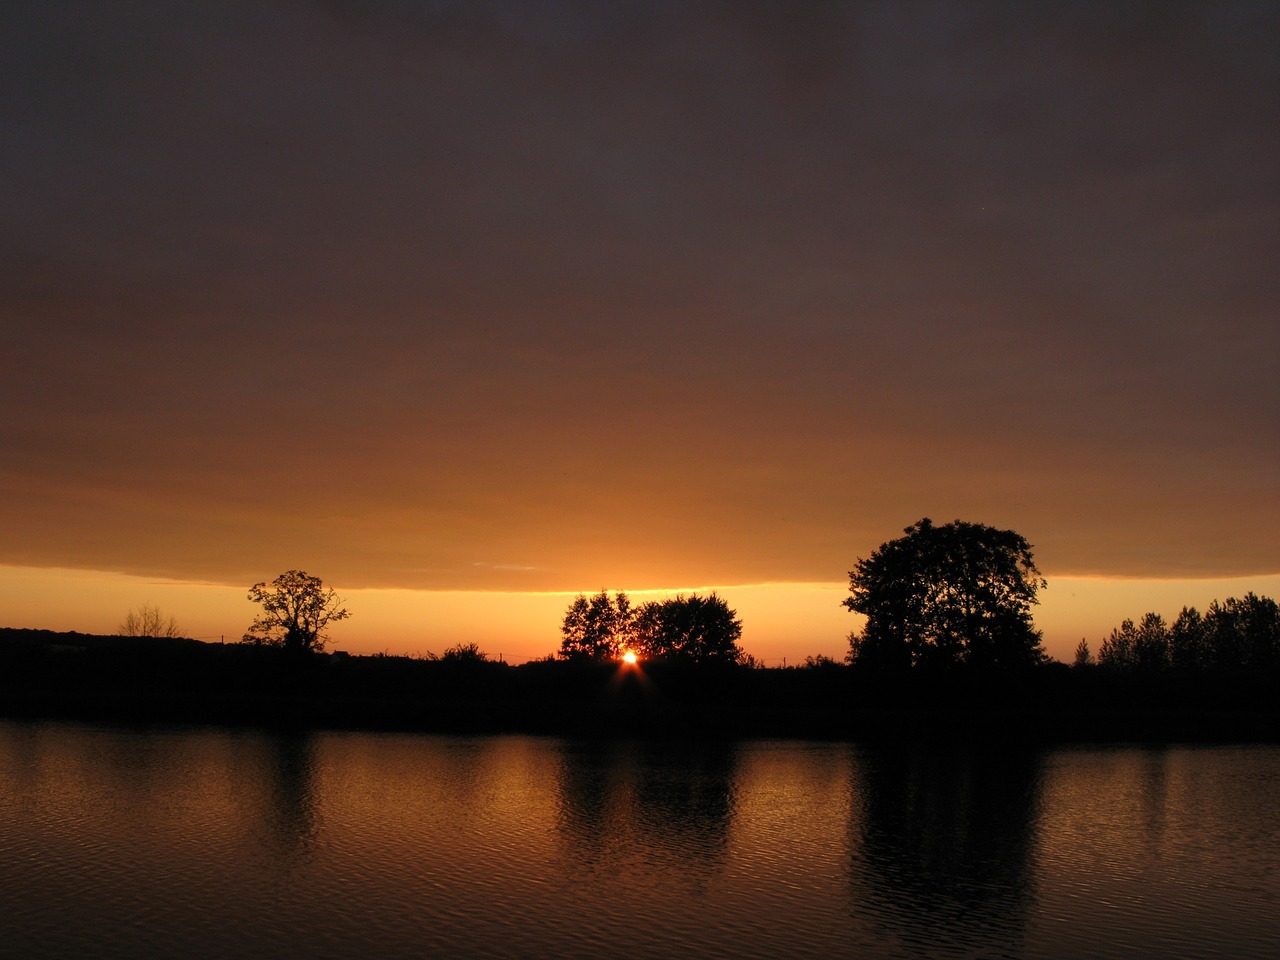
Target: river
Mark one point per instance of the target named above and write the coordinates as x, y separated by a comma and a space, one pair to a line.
185, 842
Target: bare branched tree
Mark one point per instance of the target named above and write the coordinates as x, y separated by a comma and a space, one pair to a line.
149, 621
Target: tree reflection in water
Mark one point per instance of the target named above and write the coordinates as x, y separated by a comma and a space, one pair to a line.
943, 847
625, 805
289, 812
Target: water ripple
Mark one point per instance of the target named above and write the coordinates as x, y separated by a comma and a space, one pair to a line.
201, 844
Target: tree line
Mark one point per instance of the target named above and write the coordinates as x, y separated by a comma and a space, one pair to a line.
692, 629
939, 598
1237, 634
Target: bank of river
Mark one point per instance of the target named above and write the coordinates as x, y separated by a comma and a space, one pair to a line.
188, 682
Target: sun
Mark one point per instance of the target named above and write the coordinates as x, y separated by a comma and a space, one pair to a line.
629, 657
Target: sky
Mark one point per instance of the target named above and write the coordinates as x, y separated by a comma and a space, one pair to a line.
470, 307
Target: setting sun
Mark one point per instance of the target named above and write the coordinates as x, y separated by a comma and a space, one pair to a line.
629, 657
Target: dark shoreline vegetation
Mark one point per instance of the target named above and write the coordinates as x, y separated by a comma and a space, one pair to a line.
47, 675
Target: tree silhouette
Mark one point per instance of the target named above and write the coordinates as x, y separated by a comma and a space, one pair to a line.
695, 629
1244, 632
1236, 634
943, 596
296, 609
1084, 656
1188, 641
463, 653
1117, 651
148, 621
597, 629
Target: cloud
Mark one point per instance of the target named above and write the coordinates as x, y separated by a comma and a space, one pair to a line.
672, 293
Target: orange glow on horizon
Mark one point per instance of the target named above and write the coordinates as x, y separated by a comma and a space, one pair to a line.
782, 622
629, 657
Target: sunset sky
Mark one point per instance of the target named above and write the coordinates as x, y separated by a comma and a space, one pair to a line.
469, 307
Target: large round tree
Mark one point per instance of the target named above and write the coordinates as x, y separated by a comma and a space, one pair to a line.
944, 596
692, 629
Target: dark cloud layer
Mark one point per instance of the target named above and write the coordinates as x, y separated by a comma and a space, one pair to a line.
559, 295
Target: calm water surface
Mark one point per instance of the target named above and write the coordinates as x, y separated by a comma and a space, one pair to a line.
203, 843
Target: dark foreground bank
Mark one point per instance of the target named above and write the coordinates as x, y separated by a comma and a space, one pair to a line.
82, 677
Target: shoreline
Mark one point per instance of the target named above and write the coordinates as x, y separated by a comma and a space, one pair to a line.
121, 680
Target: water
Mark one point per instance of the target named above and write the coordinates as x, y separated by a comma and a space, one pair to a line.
207, 843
